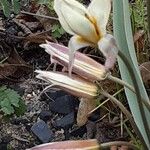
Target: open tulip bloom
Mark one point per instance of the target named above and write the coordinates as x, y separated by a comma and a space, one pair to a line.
88, 27
83, 65
74, 85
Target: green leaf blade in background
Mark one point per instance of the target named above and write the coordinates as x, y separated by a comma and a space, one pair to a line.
16, 6
6, 7
124, 38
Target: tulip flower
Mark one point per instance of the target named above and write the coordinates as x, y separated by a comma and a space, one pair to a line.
74, 85
83, 65
88, 26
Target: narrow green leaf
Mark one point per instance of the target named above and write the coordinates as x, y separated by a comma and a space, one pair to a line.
43, 1
19, 111
123, 35
6, 7
16, 6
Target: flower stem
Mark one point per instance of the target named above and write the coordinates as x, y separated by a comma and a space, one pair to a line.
127, 113
104, 102
128, 64
123, 83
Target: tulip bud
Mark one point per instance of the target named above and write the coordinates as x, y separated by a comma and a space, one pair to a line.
74, 85
83, 65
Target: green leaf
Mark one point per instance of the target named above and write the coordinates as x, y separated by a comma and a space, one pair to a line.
123, 35
43, 1
19, 111
13, 97
16, 6
8, 110
10, 100
6, 107
5, 103
57, 31
6, 7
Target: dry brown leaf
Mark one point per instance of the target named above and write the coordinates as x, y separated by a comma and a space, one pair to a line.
38, 37
6, 70
85, 106
43, 10
13, 64
145, 72
138, 35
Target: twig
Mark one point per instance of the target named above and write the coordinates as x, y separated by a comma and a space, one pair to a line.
20, 139
104, 102
43, 16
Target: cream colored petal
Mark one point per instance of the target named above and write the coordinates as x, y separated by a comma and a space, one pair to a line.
100, 10
108, 47
63, 22
79, 24
75, 43
75, 5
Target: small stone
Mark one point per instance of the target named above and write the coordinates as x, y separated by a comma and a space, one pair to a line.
29, 96
42, 131
65, 122
63, 105
45, 115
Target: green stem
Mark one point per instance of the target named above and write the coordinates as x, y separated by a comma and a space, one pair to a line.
104, 102
118, 143
123, 83
138, 95
127, 113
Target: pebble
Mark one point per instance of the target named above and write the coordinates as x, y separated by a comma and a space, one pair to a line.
63, 105
29, 96
65, 122
45, 115
42, 131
